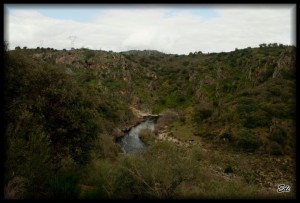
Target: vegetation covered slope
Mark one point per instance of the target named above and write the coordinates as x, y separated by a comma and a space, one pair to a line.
226, 94
63, 109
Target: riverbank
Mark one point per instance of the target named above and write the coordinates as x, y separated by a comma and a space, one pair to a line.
140, 116
260, 170
263, 171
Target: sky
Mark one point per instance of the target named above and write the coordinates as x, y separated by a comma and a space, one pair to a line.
174, 29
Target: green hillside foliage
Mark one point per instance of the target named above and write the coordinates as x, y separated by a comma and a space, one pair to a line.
52, 119
64, 108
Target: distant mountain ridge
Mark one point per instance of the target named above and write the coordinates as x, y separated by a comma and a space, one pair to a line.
143, 53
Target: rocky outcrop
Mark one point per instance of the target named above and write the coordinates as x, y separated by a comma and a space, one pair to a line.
285, 62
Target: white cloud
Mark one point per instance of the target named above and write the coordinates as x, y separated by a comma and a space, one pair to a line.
182, 32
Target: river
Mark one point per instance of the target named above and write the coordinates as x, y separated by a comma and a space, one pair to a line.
131, 142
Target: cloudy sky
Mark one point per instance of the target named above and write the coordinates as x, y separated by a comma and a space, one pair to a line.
176, 29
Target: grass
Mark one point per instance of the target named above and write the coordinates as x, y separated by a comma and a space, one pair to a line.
219, 189
183, 132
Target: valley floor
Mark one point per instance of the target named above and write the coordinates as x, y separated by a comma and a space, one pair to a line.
264, 171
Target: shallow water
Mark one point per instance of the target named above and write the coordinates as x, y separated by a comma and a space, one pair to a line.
131, 141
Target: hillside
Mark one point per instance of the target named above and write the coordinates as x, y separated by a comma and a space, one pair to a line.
233, 115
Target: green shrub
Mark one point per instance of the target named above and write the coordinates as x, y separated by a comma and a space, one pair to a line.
256, 119
185, 63
276, 149
288, 74
248, 142
197, 153
158, 171
251, 177
250, 114
89, 54
249, 92
279, 135
201, 114
65, 185
105, 147
246, 105
228, 169
162, 171
205, 134
154, 173
31, 159
41, 94
279, 110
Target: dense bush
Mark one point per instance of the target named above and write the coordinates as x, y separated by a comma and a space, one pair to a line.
256, 119
104, 147
163, 171
202, 113
51, 118
246, 105
247, 141
185, 63
279, 135
154, 173
65, 185
251, 115
280, 110
31, 159
89, 54
51, 98
276, 149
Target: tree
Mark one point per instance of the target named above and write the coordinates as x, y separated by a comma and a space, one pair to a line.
263, 45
